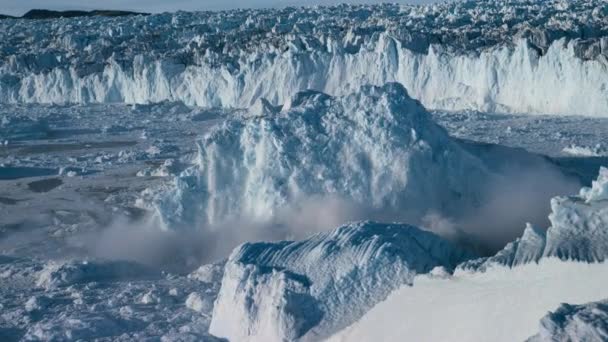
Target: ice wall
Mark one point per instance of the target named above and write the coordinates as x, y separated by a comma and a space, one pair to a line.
504, 78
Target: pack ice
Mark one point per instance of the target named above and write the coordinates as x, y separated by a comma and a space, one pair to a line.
484, 55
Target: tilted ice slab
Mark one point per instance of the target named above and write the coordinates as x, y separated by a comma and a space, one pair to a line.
376, 148
501, 304
585, 322
578, 231
483, 55
310, 289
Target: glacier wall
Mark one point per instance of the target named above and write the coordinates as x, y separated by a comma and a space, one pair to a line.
504, 78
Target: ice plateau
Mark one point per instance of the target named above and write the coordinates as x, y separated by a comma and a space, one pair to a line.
482, 55
308, 290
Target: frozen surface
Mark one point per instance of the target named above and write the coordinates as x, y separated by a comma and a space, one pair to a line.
501, 304
310, 289
97, 300
486, 55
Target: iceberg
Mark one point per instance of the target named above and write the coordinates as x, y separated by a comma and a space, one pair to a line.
584, 322
376, 149
307, 290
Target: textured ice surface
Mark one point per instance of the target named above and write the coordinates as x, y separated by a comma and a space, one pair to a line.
100, 301
484, 55
310, 289
585, 322
502, 304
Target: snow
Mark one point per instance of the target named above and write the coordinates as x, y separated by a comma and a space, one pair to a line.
502, 304
309, 289
487, 56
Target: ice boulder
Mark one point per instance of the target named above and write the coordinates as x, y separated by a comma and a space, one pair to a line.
586, 322
307, 290
377, 147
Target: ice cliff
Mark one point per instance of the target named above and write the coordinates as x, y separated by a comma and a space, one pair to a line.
309, 289
483, 55
376, 151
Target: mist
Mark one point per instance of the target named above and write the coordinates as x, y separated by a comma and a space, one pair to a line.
518, 196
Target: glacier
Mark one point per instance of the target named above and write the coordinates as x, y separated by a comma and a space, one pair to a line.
486, 55
309, 289
341, 173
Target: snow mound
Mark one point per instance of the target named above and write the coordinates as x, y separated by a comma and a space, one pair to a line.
578, 231
377, 148
310, 289
586, 322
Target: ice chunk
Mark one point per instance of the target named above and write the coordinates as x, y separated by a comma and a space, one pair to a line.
312, 288
377, 148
